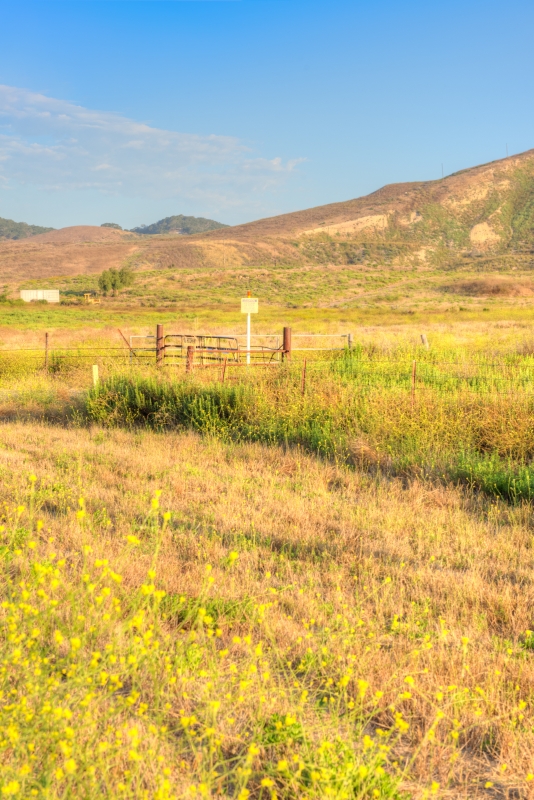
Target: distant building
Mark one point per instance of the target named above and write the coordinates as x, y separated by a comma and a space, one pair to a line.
50, 295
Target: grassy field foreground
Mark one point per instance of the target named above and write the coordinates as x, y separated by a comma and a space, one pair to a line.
183, 617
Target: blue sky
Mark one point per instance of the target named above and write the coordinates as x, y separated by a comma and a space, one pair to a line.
239, 109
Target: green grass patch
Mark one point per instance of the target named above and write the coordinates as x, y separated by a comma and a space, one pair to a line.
353, 411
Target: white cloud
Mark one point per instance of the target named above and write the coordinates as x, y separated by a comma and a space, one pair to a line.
51, 144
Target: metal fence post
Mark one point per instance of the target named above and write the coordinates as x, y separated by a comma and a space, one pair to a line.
46, 351
303, 380
160, 346
286, 344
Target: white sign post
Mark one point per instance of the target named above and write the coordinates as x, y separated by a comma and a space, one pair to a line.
249, 305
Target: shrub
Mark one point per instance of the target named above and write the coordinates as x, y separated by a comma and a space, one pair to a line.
112, 280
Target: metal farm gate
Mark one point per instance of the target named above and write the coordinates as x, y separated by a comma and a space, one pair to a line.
175, 349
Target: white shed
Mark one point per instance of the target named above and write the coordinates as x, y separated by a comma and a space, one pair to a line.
50, 295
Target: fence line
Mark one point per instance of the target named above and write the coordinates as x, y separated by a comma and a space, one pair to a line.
361, 361
204, 352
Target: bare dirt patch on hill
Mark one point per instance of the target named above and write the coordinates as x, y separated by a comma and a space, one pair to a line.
492, 286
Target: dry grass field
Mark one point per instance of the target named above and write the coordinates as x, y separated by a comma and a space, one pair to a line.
198, 615
186, 618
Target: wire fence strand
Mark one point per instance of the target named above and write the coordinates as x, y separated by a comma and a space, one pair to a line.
361, 369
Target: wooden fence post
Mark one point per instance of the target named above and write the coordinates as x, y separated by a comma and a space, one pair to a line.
414, 368
160, 346
95, 374
46, 351
286, 344
424, 340
349, 341
303, 380
189, 362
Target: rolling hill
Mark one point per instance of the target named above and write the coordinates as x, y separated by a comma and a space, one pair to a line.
468, 235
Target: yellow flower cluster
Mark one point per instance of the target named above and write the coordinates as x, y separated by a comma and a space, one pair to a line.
113, 689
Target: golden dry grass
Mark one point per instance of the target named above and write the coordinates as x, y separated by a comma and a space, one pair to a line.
424, 594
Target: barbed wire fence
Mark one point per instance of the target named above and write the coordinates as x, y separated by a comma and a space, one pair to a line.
303, 356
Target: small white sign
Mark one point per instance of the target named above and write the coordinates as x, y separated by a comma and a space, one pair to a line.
249, 305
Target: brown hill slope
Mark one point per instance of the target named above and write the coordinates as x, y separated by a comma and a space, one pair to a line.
68, 251
465, 190
80, 234
308, 220
483, 212
486, 210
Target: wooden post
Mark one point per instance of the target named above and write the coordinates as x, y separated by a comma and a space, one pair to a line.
46, 351
224, 370
349, 341
160, 346
95, 374
414, 367
303, 379
424, 340
286, 344
189, 362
